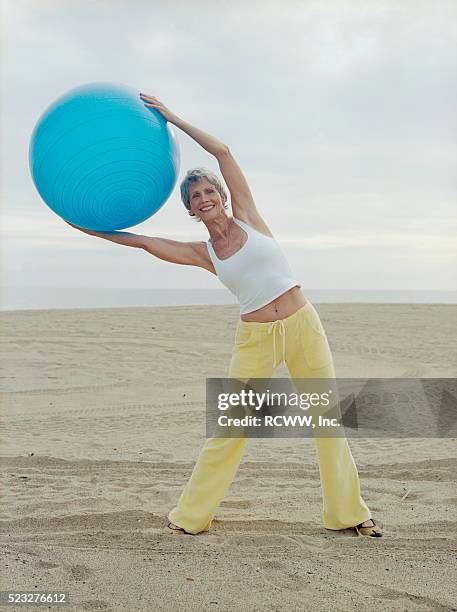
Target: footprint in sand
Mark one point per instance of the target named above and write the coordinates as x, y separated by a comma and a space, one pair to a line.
236, 504
80, 572
282, 576
94, 604
47, 564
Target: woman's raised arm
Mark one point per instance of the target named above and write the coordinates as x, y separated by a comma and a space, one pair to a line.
211, 144
243, 205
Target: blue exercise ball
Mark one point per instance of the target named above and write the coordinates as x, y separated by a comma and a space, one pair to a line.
101, 160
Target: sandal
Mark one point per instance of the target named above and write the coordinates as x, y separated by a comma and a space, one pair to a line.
374, 531
176, 528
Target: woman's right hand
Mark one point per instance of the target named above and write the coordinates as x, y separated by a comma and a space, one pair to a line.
82, 229
125, 238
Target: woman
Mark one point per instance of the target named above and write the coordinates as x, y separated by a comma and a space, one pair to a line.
274, 314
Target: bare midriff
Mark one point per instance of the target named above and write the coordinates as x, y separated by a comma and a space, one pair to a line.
283, 306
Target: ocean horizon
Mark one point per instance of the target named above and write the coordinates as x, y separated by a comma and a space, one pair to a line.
40, 298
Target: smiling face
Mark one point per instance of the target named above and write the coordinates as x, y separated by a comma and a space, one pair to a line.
205, 200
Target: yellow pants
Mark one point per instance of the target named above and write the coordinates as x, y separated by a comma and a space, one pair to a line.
300, 341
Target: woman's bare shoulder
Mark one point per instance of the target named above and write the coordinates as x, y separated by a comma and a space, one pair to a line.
255, 221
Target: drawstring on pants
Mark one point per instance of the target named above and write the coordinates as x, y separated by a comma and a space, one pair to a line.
279, 324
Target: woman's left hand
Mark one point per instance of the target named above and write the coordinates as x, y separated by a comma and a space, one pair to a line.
152, 102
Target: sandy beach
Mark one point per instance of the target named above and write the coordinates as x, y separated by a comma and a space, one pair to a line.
103, 417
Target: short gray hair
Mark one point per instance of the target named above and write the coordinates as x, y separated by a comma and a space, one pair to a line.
194, 176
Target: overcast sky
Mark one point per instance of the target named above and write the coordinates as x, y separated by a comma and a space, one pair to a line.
341, 114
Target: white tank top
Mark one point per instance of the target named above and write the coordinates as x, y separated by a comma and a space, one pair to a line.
256, 274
